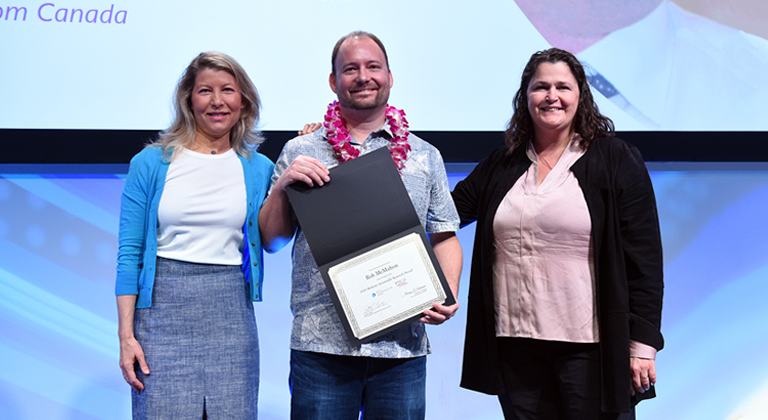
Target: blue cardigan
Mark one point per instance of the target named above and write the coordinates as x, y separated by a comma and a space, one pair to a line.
143, 188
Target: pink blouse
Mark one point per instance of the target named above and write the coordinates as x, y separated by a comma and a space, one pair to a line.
544, 272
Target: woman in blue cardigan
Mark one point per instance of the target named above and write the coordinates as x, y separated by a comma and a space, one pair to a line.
190, 258
565, 294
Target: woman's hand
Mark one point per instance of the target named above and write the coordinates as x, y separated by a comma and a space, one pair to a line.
130, 354
310, 128
642, 374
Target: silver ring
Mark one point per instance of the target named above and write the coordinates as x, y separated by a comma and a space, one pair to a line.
643, 377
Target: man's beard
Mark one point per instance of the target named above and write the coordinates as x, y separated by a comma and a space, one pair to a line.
381, 98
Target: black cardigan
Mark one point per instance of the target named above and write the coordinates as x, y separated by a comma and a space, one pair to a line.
627, 258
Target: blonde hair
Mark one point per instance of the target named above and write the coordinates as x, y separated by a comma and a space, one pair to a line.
181, 134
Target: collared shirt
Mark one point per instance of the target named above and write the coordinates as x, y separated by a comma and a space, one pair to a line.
316, 326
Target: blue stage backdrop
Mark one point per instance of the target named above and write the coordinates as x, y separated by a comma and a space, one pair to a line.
58, 343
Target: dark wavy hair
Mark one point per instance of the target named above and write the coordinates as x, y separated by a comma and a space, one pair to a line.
588, 122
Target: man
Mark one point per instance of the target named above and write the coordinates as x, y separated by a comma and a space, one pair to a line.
331, 379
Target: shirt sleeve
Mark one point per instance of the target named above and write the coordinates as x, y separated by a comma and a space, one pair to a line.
441, 214
641, 244
643, 351
281, 164
132, 232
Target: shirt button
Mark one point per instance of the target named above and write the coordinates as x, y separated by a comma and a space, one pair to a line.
253, 243
255, 264
250, 223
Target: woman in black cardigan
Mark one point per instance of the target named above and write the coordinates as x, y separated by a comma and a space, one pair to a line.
586, 348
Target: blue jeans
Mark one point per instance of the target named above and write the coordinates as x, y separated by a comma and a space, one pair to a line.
332, 387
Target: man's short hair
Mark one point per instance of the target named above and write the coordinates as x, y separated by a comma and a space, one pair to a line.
357, 34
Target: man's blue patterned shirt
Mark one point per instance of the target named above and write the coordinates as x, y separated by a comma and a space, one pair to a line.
316, 326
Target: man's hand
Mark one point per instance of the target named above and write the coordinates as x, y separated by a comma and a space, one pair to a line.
448, 252
275, 222
439, 314
303, 169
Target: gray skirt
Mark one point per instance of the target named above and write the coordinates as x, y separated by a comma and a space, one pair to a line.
201, 345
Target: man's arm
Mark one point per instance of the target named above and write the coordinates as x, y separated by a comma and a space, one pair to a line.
275, 222
448, 252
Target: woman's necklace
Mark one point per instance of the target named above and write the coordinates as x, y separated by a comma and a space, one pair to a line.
543, 159
545, 162
339, 138
208, 149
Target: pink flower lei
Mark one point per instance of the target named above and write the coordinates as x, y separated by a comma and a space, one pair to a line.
339, 138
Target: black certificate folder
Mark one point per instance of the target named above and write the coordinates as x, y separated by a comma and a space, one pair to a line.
372, 251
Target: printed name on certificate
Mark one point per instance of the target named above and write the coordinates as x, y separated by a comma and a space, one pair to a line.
386, 285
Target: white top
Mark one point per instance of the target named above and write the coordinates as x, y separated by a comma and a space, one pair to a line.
202, 209
544, 270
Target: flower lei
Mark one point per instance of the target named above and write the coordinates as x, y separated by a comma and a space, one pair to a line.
339, 138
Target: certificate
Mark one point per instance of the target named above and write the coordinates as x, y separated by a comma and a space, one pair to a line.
373, 254
386, 285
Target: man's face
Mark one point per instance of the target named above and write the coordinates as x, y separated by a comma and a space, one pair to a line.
362, 79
